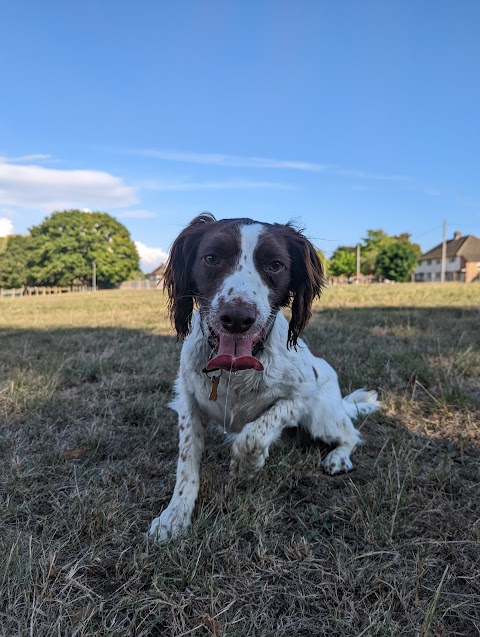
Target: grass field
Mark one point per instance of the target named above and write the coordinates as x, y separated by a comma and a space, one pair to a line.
88, 454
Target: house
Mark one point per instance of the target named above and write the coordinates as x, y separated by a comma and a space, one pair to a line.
157, 275
462, 262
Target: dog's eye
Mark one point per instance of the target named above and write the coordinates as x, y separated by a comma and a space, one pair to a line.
211, 259
275, 266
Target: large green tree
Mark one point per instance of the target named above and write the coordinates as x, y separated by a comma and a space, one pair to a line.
397, 260
14, 261
67, 243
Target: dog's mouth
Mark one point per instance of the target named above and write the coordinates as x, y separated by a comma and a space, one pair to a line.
234, 352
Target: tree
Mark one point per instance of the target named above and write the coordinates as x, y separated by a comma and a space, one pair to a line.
65, 245
373, 243
14, 261
343, 261
325, 262
397, 260
376, 243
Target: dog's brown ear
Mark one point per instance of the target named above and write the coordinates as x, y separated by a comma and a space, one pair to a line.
178, 280
306, 281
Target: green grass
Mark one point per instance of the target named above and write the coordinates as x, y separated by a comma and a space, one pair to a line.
88, 454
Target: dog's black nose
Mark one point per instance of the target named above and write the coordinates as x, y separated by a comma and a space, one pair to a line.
237, 320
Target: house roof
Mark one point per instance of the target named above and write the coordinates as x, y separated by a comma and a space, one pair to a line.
158, 271
467, 247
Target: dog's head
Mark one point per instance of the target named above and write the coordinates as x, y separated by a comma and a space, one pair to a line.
240, 272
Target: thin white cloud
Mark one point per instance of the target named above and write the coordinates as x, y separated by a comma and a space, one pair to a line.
137, 214
6, 227
51, 189
25, 158
234, 161
361, 187
469, 202
433, 192
235, 184
150, 257
360, 174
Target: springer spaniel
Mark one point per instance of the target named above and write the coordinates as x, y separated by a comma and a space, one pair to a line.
243, 365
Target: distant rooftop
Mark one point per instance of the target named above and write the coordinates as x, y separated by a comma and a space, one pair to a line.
467, 247
158, 271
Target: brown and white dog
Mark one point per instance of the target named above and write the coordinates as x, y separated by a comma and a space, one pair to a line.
243, 366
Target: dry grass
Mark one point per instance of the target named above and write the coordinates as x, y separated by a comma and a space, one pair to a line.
88, 450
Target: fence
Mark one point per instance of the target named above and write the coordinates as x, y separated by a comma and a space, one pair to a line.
13, 293
364, 278
141, 284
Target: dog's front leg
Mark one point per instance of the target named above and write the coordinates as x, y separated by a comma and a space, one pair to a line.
176, 518
250, 448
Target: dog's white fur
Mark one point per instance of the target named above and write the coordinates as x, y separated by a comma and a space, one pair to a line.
295, 389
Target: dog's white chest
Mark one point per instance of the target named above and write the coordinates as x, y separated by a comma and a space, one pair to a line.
234, 400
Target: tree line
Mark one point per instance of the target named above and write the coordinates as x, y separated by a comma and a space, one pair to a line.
392, 257
61, 250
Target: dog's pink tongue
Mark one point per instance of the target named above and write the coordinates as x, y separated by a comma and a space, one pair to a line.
234, 354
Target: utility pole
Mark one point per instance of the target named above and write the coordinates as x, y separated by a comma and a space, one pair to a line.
358, 264
94, 276
444, 252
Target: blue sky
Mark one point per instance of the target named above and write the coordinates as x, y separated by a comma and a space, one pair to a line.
343, 115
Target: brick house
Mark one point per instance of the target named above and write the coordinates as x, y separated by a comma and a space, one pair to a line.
462, 264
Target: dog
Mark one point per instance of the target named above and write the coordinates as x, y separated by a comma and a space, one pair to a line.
243, 366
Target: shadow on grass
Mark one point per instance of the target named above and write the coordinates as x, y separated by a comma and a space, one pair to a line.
89, 448
434, 350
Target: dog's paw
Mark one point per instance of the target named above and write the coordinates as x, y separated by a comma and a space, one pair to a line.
337, 461
246, 466
248, 458
171, 523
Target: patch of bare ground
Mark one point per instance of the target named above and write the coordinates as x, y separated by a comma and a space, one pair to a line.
88, 453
